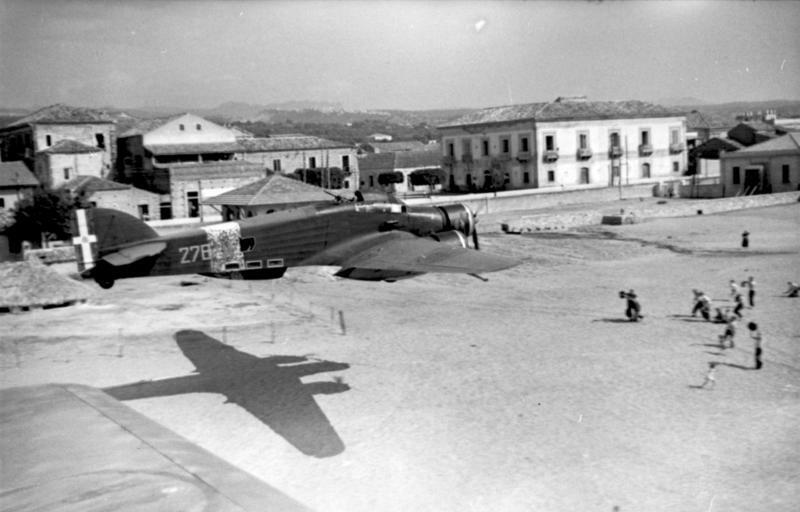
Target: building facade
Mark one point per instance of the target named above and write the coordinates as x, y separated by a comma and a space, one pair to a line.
403, 173
56, 127
67, 159
567, 142
16, 183
770, 166
103, 193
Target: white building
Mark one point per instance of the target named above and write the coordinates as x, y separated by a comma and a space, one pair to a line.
770, 166
566, 142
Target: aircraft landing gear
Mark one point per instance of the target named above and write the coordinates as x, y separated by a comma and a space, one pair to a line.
103, 276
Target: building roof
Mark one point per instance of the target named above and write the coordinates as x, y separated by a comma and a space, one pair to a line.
69, 147
564, 109
274, 189
63, 114
292, 142
91, 184
16, 174
193, 149
787, 143
405, 145
142, 126
376, 162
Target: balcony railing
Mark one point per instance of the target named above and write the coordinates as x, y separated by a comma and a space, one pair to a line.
615, 151
524, 156
550, 156
504, 157
645, 150
676, 147
466, 158
584, 153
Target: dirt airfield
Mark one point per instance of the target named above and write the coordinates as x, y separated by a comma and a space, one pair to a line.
444, 393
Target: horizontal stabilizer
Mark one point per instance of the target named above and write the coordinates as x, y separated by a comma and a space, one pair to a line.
133, 254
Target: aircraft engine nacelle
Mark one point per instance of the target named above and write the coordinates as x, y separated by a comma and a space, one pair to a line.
458, 217
451, 237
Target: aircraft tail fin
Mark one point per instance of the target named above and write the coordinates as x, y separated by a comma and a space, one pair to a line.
99, 229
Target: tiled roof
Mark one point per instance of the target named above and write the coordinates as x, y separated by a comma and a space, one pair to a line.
789, 142
16, 174
406, 145
376, 162
275, 189
89, 184
63, 114
427, 158
69, 146
294, 142
193, 149
563, 110
142, 126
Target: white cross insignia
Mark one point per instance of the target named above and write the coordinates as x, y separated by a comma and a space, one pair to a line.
84, 239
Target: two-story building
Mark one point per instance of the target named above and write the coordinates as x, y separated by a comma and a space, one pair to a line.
567, 142
60, 140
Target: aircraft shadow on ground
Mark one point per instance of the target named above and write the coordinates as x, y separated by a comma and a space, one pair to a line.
614, 320
269, 388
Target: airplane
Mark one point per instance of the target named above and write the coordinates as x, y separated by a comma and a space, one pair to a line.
371, 241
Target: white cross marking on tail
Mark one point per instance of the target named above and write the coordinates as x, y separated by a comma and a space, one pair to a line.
84, 239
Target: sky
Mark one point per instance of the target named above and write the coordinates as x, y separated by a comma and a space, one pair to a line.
394, 54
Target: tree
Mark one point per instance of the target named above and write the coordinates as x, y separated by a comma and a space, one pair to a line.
45, 215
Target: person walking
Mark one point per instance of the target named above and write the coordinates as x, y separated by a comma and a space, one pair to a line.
745, 240
751, 291
734, 288
737, 310
756, 335
729, 334
710, 380
633, 309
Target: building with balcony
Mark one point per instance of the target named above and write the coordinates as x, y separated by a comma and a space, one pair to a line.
566, 142
403, 173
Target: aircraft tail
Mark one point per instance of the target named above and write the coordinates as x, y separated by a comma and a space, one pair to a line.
98, 229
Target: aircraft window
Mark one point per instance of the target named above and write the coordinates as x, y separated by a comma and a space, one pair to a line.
273, 263
232, 266
247, 244
254, 264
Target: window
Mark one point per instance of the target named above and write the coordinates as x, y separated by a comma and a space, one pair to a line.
144, 212
526, 177
466, 147
372, 181
66, 172
276, 165
785, 174
584, 175
346, 163
645, 137
523, 144
48, 140
645, 170
551, 176
165, 210
312, 162
451, 149
676, 166
505, 145
549, 142
198, 126
737, 178
673, 136
485, 147
583, 140
2, 202
248, 243
181, 127
193, 203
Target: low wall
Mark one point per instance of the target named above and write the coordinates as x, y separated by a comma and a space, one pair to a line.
636, 211
535, 199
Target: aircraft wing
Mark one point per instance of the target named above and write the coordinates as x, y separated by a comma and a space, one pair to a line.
73, 448
400, 251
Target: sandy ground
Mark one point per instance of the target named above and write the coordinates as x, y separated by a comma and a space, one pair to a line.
526, 392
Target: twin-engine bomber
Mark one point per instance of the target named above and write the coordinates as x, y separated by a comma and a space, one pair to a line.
368, 241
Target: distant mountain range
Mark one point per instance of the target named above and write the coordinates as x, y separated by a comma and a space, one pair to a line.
327, 113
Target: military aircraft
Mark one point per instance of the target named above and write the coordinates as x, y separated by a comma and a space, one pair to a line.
368, 240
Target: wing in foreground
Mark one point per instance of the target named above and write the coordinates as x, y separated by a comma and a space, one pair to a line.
398, 251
